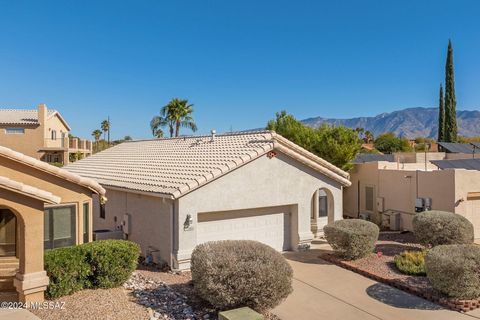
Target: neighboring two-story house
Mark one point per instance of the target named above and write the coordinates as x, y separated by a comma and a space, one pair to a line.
42, 134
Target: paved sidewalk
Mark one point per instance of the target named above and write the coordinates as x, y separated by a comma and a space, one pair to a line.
326, 291
17, 314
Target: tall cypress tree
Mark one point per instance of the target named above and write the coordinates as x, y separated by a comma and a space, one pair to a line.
441, 116
450, 101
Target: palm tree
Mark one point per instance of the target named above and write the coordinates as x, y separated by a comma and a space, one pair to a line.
368, 136
156, 125
106, 128
97, 134
179, 112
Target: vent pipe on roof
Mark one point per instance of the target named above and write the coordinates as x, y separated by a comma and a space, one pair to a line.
213, 132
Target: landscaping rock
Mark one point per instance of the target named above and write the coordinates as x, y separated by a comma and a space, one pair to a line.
163, 300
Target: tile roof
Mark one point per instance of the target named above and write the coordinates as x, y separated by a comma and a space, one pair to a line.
59, 172
176, 166
22, 116
15, 186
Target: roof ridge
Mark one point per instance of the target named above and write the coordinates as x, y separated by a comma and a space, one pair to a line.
224, 134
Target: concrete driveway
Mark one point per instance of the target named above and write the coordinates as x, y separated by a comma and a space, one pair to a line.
325, 291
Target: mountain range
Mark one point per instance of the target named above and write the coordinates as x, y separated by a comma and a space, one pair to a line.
409, 123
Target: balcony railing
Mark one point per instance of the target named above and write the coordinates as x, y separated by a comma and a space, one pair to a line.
70, 144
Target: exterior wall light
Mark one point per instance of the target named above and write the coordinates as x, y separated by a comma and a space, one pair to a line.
188, 222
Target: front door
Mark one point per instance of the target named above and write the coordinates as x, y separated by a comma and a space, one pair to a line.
322, 209
8, 233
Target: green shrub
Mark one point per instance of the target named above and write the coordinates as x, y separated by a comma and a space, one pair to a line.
99, 264
234, 273
455, 270
67, 270
352, 238
411, 262
433, 228
112, 262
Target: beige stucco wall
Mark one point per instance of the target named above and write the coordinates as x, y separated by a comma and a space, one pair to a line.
150, 220
35, 137
31, 280
27, 143
69, 192
448, 190
264, 182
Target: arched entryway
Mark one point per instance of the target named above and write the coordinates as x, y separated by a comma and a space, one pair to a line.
8, 233
322, 210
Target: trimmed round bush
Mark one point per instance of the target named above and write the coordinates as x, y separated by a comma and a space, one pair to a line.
433, 228
237, 273
455, 270
112, 262
411, 262
352, 238
99, 264
67, 269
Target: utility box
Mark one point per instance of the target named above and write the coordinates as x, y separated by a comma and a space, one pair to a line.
244, 313
380, 204
126, 223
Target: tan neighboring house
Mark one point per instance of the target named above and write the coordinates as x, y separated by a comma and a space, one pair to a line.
169, 195
41, 134
391, 193
41, 207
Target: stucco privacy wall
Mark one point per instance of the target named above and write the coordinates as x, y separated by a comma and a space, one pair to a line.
150, 220
69, 192
264, 182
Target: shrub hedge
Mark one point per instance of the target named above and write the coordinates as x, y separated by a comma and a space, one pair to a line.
454, 270
111, 261
433, 228
99, 264
411, 262
67, 270
234, 273
352, 238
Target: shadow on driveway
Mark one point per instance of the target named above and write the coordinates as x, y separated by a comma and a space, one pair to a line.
399, 299
310, 256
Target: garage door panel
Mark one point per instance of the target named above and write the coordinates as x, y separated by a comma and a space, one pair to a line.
268, 225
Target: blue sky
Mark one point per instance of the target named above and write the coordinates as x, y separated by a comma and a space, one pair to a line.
238, 62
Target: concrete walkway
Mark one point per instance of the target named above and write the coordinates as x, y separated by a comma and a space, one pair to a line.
325, 291
17, 314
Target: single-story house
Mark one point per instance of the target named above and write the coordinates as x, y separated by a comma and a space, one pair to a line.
169, 195
41, 207
390, 193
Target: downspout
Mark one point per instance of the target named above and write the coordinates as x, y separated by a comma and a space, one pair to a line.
172, 228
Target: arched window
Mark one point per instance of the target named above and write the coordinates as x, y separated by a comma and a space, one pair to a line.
322, 204
54, 135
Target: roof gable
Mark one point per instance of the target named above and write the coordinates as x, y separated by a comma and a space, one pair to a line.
176, 166
29, 191
45, 167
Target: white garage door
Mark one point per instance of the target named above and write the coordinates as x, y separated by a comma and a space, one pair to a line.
268, 225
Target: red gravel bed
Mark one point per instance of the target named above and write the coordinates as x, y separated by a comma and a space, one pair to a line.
380, 267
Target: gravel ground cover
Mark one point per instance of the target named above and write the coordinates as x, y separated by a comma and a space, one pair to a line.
150, 293
380, 266
101, 304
